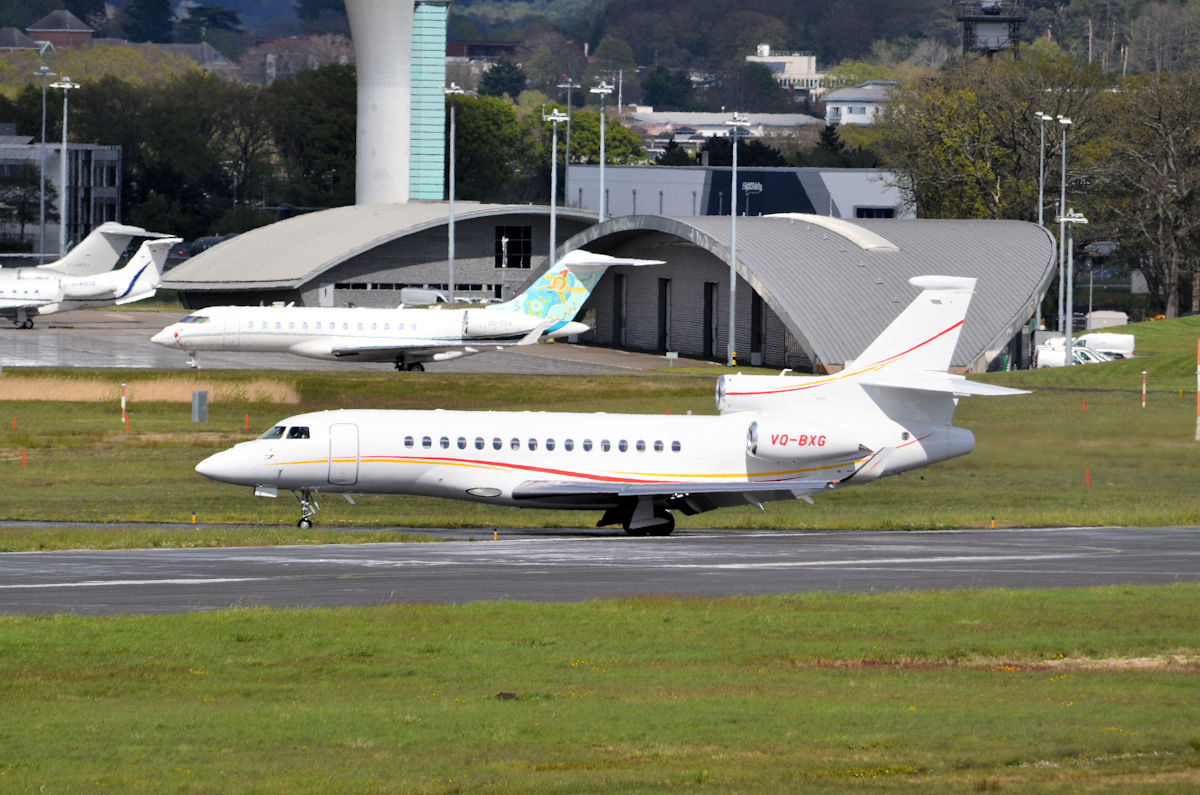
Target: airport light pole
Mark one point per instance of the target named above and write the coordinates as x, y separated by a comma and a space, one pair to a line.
1042, 119
64, 203
451, 91
736, 125
1070, 217
554, 118
1064, 122
604, 89
570, 84
43, 73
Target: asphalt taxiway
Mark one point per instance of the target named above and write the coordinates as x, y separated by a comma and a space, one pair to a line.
555, 566
121, 339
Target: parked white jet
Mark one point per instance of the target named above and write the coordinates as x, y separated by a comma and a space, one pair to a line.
777, 437
407, 337
45, 293
96, 253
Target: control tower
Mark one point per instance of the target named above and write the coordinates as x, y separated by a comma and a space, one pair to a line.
399, 51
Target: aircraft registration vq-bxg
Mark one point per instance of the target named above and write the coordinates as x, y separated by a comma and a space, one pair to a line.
777, 437
406, 337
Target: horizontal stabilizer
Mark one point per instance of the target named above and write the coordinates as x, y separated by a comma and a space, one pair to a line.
943, 383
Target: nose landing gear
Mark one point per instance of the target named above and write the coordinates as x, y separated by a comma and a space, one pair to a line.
308, 508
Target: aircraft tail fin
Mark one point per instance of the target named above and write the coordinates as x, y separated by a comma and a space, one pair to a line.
99, 251
923, 337
559, 293
142, 276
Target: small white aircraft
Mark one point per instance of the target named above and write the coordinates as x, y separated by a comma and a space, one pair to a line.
96, 253
777, 437
34, 291
406, 336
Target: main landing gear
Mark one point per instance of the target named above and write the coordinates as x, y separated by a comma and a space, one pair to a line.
640, 517
308, 508
412, 367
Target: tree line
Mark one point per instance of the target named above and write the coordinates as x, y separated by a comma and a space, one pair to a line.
967, 143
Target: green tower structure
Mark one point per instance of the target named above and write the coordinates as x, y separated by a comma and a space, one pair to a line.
428, 122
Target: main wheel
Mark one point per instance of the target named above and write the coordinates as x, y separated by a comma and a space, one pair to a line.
304, 524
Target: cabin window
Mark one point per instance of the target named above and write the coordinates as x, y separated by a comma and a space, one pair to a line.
445, 442
479, 442
641, 446
399, 327
515, 444
533, 444
318, 325
587, 445
291, 324
604, 445
345, 327
297, 432
497, 443
658, 445
273, 433
568, 445
278, 325
675, 447
374, 326
623, 445
549, 444
426, 442
360, 326
462, 443
387, 326
304, 325
408, 441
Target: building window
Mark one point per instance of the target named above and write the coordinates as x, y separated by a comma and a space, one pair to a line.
874, 212
514, 246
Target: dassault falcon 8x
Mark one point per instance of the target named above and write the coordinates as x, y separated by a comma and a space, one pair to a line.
776, 437
406, 336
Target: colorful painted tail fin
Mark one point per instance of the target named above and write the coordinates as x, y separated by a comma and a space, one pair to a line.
559, 293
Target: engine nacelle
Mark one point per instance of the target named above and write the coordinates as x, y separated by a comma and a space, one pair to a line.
762, 392
482, 324
792, 441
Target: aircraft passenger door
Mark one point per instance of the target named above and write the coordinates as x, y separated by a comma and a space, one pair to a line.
710, 320
664, 314
231, 328
343, 454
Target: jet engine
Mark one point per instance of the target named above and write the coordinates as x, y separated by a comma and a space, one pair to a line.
794, 440
481, 324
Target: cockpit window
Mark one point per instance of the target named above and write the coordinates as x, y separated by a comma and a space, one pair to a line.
196, 319
274, 433
297, 432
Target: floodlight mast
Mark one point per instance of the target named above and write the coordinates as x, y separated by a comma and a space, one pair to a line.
604, 89
554, 118
736, 125
66, 85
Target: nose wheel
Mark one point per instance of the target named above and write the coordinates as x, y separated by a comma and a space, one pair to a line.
308, 508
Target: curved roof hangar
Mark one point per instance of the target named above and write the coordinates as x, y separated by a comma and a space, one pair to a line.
837, 284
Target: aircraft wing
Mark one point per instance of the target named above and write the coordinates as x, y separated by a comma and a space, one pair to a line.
534, 489
435, 352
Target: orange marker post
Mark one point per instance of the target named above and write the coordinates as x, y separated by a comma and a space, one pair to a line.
1087, 477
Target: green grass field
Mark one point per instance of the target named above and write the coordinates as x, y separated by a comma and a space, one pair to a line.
1047, 690
1079, 450
1088, 689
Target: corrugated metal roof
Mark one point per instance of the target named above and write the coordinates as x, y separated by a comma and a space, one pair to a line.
289, 253
836, 292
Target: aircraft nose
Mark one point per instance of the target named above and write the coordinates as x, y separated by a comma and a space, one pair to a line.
568, 329
220, 466
166, 336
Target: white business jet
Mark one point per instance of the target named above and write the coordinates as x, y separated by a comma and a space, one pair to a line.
406, 336
47, 292
96, 253
777, 437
